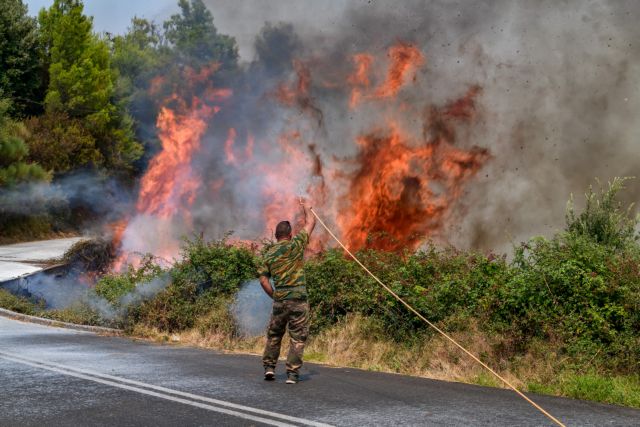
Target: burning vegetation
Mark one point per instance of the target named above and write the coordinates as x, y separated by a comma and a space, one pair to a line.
390, 186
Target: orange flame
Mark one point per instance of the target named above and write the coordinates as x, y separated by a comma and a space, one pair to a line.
169, 181
228, 147
170, 186
399, 187
400, 193
359, 79
404, 59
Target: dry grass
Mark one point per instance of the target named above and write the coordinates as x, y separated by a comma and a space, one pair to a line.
358, 342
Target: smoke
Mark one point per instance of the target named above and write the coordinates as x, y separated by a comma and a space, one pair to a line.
145, 291
251, 309
89, 194
61, 291
555, 109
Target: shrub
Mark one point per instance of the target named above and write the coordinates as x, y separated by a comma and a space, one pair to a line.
78, 313
93, 255
207, 272
113, 287
445, 286
575, 291
603, 218
19, 304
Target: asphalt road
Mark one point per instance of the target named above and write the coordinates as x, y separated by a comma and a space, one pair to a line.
24, 258
61, 377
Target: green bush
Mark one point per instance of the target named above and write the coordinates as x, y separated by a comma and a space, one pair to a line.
19, 304
78, 313
207, 272
579, 289
446, 286
113, 287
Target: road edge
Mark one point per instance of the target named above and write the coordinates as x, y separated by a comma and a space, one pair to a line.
58, 323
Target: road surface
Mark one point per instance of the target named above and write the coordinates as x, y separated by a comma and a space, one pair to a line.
25, 258
61, 377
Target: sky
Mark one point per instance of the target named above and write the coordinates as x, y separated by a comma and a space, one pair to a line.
114, 16
240, 19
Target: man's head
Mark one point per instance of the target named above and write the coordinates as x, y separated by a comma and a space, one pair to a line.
283, 230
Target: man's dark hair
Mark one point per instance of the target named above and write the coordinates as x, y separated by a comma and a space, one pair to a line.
283, 229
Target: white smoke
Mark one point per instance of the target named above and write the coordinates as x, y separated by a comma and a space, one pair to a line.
61, 292
251, 309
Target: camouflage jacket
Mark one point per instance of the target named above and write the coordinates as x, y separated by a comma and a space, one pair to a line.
283, 262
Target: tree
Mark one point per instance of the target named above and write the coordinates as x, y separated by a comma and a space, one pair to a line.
14, 168
20, 76
136, 54
81, 82
195, 39
60, 143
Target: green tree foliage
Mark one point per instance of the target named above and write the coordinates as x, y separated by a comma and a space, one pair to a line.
81, 82
137, 53
20, 69
195, 39
137, 57
60, 143
13, 152
80, 78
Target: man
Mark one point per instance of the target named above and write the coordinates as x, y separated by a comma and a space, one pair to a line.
283, 262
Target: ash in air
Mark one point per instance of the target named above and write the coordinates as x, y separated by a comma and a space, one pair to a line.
403, 122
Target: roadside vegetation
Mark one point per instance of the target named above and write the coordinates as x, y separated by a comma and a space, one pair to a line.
561, 317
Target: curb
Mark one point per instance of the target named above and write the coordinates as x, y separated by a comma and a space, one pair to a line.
59, 324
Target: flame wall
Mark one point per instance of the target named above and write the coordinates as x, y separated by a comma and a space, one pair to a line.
403, 121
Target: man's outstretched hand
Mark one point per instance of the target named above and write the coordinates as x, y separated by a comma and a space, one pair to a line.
309, 218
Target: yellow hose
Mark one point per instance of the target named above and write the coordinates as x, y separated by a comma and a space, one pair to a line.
441, 332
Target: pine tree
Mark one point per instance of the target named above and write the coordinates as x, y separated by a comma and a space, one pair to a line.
13, 152
20, 67
81, 82
195, 38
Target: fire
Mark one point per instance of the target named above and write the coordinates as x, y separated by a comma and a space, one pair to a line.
403, 189
359, 79
170, 186
396, 190
169, 183
404, 58
228, 147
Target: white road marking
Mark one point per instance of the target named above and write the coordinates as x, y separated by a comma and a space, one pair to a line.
137, 386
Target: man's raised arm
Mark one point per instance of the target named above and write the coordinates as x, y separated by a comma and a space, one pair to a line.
309, 218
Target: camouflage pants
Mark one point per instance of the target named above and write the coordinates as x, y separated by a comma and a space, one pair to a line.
293, 314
